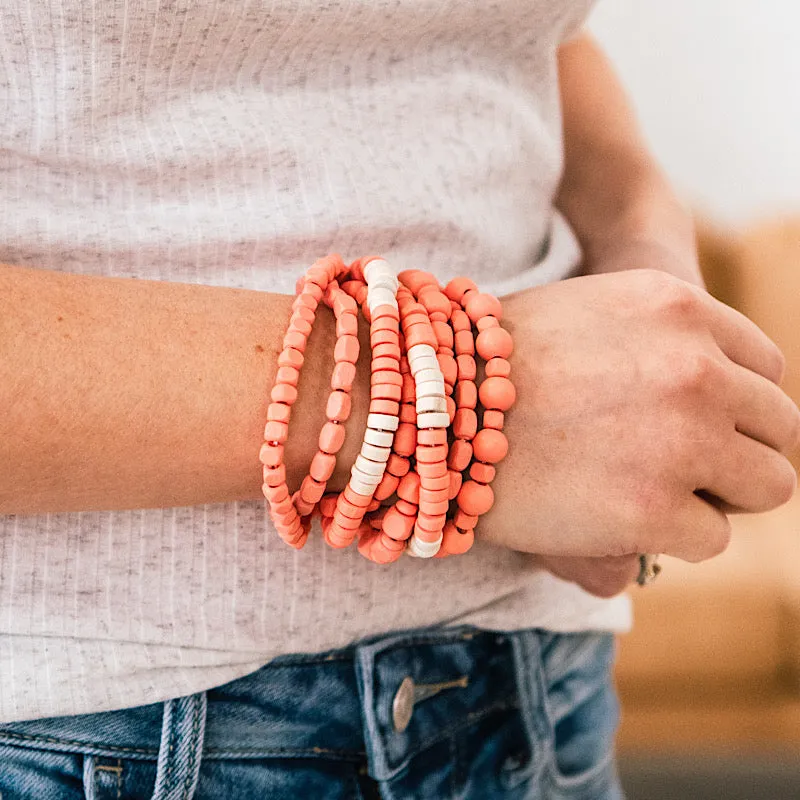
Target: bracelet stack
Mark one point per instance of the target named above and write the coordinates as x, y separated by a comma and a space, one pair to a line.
434, 435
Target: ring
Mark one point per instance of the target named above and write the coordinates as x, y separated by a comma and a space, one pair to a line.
649, 569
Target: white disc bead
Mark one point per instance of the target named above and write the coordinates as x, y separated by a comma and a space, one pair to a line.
433, 419
378, 438
382, 422
421, 549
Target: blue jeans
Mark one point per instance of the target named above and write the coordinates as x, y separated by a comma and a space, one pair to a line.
427, 713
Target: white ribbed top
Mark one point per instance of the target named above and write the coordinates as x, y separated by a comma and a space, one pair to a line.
232, 143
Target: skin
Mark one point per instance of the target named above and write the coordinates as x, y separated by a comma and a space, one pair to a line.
121, 393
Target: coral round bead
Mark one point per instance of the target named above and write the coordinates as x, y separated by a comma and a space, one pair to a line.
475, 498
497, 368
454, 542
483, 305
490, 446
497, 393
458, 287
494, 343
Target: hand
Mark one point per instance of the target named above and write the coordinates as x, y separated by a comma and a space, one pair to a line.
646, 410
603, 576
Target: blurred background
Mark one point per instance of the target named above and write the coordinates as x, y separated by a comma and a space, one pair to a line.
710, 677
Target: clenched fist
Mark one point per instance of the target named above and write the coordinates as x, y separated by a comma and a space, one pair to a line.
646, 411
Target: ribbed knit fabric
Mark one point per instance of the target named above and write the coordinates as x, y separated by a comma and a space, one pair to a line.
232, 143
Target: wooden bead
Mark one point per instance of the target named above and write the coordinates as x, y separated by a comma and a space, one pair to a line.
343, 376
322, 466
283, 393
483, 305
458, 287
490, 446
346, 349
475, 498
465, 343
455, 479
311, 490
278, 412
405, 439
482, 473
497, 368
295, 340
460, 455
408, 488
456, 542
497, 393
494, 419
486, 322
467, 368
338, 407
290, 357
276, 432
331, 437
397, 465
271, 455
465, 424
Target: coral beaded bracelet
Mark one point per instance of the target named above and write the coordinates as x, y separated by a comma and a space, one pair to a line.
422, 478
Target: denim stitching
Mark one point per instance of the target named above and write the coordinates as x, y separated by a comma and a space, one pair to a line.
173, 725
152, 754
193, 758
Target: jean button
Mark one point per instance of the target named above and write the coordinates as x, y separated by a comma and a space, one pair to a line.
403, 704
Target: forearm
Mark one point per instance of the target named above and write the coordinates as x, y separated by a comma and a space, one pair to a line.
119, 393
615, 196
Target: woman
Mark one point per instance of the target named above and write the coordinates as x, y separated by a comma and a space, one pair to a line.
170, 169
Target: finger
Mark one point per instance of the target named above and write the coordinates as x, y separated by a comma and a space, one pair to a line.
763, 411
699, 531
741, 339
604, 576
750, 475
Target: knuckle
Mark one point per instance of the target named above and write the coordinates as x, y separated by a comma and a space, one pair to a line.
674, 297
690, 373
785, 484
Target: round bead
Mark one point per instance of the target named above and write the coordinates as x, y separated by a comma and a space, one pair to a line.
490, 446
494, 343
483, 305
475, 498
458, 287
387, 487
454, 542
465, 521
497, 393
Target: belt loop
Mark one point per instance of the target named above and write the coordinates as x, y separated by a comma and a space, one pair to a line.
181, 750
88, 778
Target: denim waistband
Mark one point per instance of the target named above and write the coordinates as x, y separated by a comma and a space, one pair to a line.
303, 706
